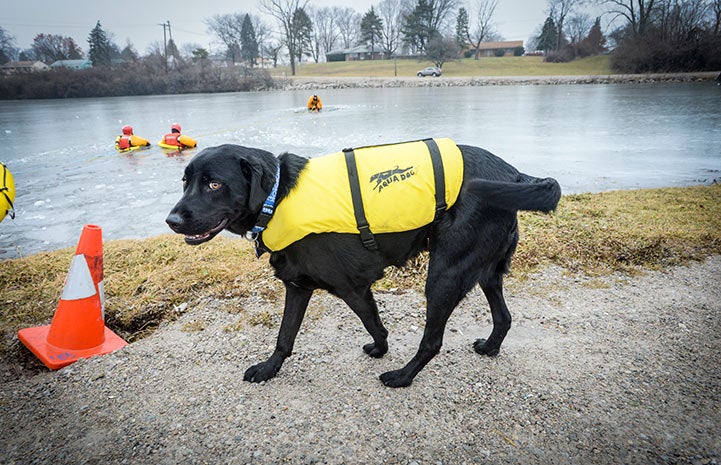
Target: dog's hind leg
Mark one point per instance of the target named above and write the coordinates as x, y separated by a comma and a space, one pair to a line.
296, 303
364, 305
445, 287
493, 289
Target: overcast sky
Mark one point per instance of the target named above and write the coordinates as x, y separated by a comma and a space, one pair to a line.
140, 21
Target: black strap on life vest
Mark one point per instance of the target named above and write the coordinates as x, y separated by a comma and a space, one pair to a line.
438, 176
4, 190
360, 218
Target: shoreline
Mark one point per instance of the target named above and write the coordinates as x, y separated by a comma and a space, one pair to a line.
347, 82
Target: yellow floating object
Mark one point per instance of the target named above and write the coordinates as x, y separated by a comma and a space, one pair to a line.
7, 193
132, 148
162, 144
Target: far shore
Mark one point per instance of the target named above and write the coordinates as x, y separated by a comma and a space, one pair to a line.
343, 82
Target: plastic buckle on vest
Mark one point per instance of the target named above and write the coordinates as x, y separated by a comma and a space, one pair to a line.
440, 210
367, 238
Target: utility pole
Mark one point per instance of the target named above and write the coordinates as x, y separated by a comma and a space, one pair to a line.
175, 47
165, 45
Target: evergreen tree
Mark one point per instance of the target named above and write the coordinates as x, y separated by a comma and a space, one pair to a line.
248, 41
100, 52
595, 42
418, 28
371, 28
462, 31
129, 53
200, 54
303, 30
549, 36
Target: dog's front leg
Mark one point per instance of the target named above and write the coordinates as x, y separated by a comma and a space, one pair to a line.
296, 302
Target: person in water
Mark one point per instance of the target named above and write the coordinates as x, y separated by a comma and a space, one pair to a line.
176, 139
127, 140
314, 103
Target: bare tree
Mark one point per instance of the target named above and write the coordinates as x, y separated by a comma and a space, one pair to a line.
681, 18
262, 35
482, 27
8, 48
638, 13
577, 27
716, 18
559, 10
272, 50
227, 28
442, 13
285, 12
52, 47
348, 26
325, 31
391, 13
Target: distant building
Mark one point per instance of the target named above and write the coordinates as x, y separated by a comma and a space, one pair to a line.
71, 64
492, 49
23, 67
359, 52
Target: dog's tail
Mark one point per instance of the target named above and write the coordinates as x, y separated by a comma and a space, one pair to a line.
529, 193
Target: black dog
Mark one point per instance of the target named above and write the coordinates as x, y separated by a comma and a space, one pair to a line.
225, 187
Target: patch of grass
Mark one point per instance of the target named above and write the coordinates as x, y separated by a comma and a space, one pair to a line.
194, 326
596, 234
467, 67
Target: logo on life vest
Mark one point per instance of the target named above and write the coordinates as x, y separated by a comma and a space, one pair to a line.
386, 178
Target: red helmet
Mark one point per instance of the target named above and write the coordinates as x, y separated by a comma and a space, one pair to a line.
127, 130
175, 127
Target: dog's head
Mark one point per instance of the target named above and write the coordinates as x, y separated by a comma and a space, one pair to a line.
223, 187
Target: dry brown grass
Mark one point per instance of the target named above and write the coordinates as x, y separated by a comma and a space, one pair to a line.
146, 279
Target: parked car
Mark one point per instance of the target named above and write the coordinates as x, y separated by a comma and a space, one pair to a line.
430, 71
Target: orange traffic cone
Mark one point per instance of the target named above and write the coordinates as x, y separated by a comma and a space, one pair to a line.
91, 246
78, 328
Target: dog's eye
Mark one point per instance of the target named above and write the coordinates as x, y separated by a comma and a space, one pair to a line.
185, 181
214, 185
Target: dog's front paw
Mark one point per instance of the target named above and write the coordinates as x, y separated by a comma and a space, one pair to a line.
484, 348
374, 350
396, 378
260, 372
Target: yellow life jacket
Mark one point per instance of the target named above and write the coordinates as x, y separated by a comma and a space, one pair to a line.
397, 187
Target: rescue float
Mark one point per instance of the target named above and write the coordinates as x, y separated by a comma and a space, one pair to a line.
7, 193
163, 145
132, 148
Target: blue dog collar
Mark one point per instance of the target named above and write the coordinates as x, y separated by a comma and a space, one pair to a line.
268, 208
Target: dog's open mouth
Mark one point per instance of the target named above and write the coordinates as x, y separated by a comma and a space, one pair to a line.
196, 239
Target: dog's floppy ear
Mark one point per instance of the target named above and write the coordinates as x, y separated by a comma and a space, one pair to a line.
253, 169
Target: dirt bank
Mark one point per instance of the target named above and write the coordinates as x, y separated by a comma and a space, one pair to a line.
613, 370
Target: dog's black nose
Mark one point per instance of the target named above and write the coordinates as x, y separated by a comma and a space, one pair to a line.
175, 221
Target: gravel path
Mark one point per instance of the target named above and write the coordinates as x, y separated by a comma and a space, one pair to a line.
612, 370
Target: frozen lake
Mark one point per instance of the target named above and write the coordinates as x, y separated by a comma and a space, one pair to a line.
590, 137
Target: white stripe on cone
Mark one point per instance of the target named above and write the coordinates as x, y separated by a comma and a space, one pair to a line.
101, 290
79, 282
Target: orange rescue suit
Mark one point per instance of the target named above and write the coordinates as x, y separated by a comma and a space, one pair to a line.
179, 140
315, 105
